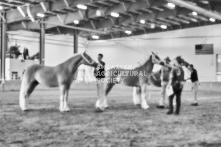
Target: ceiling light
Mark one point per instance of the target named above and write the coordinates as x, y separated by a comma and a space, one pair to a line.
76, 21
194, 20
163, 26
212, 20
128, 32
40, 15
194, 13
152, 26
80, 6
171, 5
204, 2
142, 21
114, 14
95, 37
21, 11
98, 13
1, 7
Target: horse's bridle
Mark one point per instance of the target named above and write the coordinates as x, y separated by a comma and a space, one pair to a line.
153, 56
82, 55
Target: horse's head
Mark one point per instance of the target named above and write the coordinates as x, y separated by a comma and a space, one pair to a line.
156, 59
87, 60
179, 61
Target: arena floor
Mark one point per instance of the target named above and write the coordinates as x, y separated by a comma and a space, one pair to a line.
122, 125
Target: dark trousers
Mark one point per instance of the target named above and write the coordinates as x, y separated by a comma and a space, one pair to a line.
177, 93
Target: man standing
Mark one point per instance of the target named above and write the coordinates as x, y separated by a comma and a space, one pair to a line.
164, 77
195, 83
99, 73
176, 80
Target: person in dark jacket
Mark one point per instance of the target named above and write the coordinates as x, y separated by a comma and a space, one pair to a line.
176, 80
99, 73
195, 83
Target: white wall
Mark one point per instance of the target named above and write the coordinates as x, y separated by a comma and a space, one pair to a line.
172, 43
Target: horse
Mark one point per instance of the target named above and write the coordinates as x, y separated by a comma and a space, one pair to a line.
60, 76
138, 77
155, 80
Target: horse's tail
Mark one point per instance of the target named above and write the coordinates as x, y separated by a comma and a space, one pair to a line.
112, 76
108, 88
22, 93
27, 86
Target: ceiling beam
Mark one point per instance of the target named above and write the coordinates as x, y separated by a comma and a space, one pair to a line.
66, 18
13, 14
198, 9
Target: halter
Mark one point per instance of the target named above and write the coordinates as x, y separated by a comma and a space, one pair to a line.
153, 56
82, 55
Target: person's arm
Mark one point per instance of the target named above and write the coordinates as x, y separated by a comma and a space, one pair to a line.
161, 74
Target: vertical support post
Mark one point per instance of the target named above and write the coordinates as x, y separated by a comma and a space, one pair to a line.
75, 39
42, 43
3, 44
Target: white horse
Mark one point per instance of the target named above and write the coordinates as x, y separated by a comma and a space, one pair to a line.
60, 76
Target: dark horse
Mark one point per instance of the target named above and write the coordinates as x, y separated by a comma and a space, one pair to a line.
137, 77
61, 75
155, 79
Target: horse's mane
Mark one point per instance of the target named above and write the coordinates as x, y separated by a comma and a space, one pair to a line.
69, 59
144, 62
73, 56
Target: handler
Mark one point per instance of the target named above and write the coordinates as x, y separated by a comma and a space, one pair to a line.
176, 80
99, 73
195, 83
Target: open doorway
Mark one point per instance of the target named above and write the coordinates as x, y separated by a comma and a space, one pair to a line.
218, 67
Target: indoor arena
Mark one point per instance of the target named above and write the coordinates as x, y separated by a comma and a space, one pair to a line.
110, 73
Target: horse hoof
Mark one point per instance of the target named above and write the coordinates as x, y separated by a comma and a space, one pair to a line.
65, 110
146, 107
99, 110
24, 109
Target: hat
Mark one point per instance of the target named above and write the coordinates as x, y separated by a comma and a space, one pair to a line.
167, 59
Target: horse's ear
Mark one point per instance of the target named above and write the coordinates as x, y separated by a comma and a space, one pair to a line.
153, 53
84, 52
150, 52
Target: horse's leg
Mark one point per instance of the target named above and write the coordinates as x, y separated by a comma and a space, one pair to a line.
137, 95
108, 88
144, 91
100, 104
62, 97
25, 92
66, 108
